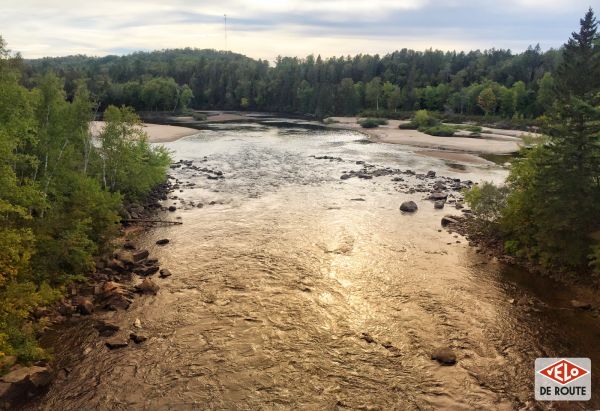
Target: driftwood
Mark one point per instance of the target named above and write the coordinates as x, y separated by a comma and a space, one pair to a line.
131, 221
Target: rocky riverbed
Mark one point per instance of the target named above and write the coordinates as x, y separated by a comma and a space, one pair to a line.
297, 282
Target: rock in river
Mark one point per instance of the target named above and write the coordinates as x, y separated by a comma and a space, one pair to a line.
438, 196
147, 287
448, 219
444, 356
137, 338
438, 205
85, 306
409, 207
165, 273
581, 305
163, 241
116, 342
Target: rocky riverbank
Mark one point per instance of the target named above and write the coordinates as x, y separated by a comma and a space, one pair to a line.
583, 289
120, 275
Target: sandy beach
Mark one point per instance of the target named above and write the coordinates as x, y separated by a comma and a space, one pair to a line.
157, 133
492, 141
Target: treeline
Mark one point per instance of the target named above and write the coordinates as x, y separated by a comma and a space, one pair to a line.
61, 192
549, 210
406, 80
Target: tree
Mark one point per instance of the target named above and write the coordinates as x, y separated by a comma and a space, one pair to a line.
487, 101
373, 90
554, 202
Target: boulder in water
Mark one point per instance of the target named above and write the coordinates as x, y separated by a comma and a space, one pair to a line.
409, 207
444, 355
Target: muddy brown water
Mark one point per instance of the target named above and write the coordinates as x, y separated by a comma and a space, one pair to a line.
287, 293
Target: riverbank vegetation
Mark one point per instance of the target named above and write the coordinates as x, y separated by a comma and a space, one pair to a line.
61, 192
548, 213
495, 83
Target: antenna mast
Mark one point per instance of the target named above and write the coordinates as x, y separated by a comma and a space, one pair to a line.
226, 47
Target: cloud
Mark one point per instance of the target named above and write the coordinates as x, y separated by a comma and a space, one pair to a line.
267, 28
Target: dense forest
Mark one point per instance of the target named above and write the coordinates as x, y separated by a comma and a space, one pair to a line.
513, 85
61, 193
549, 211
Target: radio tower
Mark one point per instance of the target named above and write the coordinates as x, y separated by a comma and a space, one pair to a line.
226, 47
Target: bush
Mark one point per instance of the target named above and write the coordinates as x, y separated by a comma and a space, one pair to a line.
441, 130
372, 122
487, 201
423, 119
199, 116
408, 126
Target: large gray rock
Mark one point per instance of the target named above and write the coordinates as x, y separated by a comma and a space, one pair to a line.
438, 205
409, 207
447, 220
438, 195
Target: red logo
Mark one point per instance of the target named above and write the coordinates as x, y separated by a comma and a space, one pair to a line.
563, 372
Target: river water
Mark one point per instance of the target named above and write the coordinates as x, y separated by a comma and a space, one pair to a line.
290, 293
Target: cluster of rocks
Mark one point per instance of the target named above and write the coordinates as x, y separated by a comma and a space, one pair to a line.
189, 165
330, 158
139, 211
20, 381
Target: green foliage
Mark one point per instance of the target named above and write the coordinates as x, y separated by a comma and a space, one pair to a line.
487, 201
441, 130
423, 119
369, 123
404, 80
60, 193
554, 201
408, 126
487, 101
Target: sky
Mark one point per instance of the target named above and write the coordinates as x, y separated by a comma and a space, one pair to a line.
268, 28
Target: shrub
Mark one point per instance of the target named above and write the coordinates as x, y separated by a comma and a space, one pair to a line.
487, 201
441, 130
408, 126
199, 116
372, 122
422, 118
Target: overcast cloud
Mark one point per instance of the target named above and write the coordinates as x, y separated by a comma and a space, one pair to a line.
267, 28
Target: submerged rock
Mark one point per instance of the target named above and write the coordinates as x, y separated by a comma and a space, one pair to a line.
165, 273
137, 338
438, 205
106, 328
409, 207
444, 355
116, 342
163, 241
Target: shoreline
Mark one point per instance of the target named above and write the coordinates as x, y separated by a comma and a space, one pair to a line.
494, 141
458, 148
157, 133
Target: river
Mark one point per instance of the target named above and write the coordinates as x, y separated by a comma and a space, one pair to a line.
297, 290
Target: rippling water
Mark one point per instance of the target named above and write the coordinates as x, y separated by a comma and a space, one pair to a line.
287, 293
